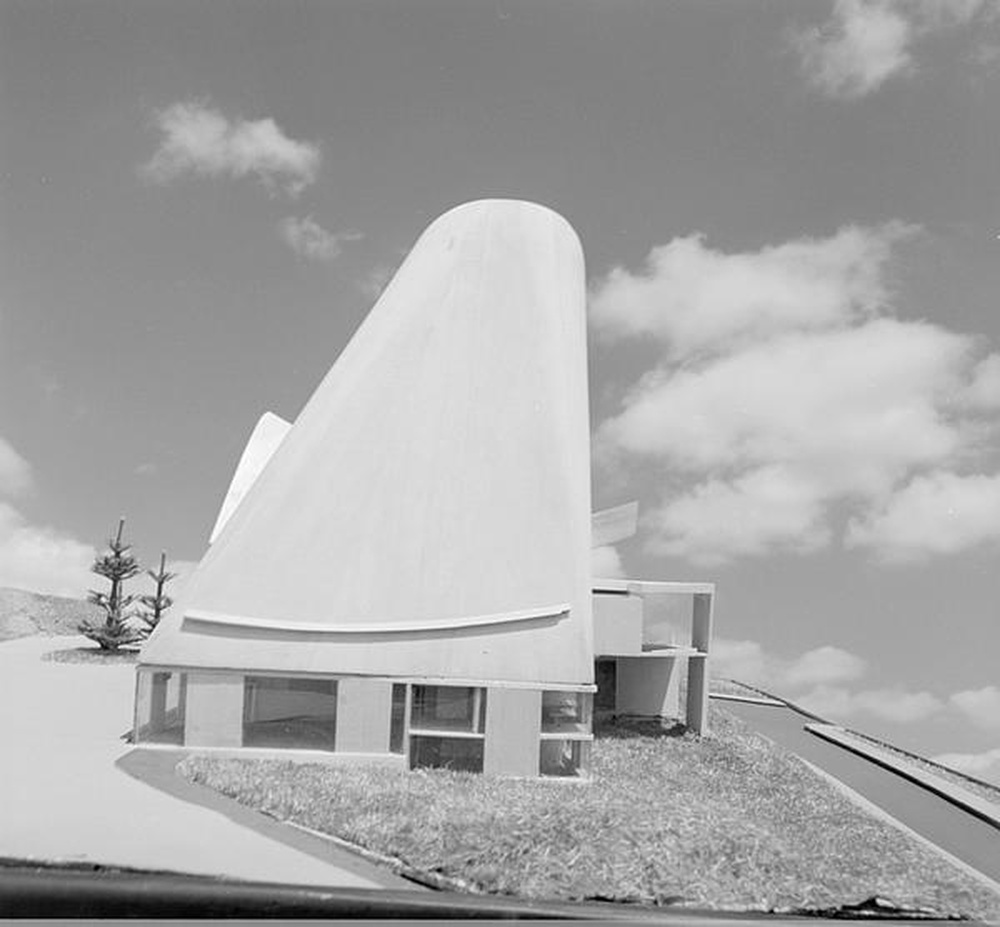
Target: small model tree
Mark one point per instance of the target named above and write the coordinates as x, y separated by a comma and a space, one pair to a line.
116, 566
156, 605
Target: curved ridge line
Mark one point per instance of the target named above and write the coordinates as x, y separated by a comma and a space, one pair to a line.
443, 624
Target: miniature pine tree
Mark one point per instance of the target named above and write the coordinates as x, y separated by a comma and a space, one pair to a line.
116, 566
157, 604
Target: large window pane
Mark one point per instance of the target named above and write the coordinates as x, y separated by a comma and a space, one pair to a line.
290, 713
460, 753
448, 708
564, 757
565, 712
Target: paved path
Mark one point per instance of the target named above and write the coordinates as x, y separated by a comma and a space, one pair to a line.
973, 841
62, 796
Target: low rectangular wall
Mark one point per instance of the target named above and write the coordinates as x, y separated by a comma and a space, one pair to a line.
617, 624
364, 712
648, 686
513, 726
214, 715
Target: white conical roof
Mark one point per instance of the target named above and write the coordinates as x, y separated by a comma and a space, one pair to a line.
428, 514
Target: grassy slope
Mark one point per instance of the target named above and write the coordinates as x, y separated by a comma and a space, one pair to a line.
726, 821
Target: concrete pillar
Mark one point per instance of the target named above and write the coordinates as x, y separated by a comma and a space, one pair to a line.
214, 716
513, 726
648, 686
697, 686
158, 702
364, 713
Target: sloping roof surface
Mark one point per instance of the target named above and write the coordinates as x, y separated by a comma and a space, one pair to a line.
429, 511
268, 433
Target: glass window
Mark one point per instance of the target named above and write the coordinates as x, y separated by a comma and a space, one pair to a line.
460, 753
398, 723
160, 707
565, 712
564, 757
289, 713
448, 708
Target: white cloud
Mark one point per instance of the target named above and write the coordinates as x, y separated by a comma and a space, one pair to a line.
939, 513
746, 661
308, 239
984, 390
692, 297
33, 557
606, 563
785, 391
764, 510
981, 706
15, 473
985, 765
41, 559
867, 42
890, 704
200, 140
376, 280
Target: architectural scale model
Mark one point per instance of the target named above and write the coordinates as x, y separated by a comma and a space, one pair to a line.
403, 573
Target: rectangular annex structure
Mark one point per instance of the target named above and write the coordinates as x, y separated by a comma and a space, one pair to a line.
403, 572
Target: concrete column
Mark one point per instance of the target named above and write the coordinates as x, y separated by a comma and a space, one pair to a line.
214, 716
513, 725
158, 702
697, 685
364, 714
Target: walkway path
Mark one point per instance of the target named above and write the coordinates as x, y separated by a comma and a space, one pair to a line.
967, 837
63, 798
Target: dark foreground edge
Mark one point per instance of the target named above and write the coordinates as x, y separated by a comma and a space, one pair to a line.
55, 890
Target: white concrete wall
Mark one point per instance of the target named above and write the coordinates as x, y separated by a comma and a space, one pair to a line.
617, 624
214, 716
513, 725
364, 710
648, 686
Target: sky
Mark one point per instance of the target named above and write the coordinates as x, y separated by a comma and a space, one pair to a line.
789, 212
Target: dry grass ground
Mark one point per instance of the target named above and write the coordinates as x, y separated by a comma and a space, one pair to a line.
725, 821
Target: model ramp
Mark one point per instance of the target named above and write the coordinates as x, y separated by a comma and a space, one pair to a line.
428, 514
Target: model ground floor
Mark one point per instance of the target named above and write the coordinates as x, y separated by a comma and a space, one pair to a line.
491, 728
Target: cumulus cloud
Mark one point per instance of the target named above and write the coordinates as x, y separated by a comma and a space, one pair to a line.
866, 42
985, 765
41, 559
981, 706
692, 297
308, 239
33, 557
15, 473
940, 513
892, 704
786, 388
816, 680
747, 661
197, 139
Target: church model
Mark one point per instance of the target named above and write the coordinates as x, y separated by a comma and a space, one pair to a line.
403, 573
